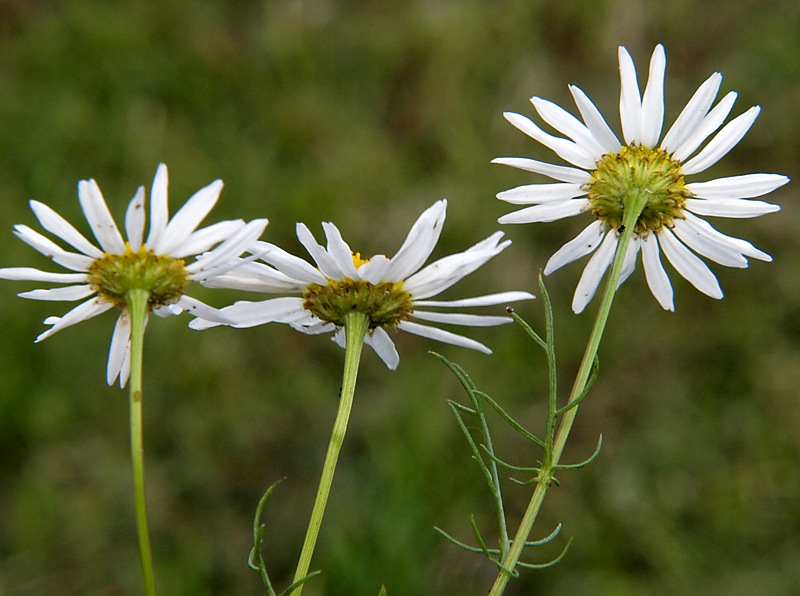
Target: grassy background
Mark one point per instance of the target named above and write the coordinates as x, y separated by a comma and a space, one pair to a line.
364, 114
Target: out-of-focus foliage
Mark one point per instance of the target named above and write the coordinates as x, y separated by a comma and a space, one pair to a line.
364, 113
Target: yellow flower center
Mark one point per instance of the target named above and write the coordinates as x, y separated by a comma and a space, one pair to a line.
385, 303
634, 169
162, 277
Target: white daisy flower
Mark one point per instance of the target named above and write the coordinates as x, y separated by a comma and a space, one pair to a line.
393, 293
105, 274
605, 172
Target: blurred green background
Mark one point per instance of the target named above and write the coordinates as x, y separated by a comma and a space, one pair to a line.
364, 113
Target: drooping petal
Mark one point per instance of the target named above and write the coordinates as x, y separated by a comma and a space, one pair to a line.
593, 273
688, 265
562, 173
629, 264
55, 224
202, 310
82, 312
584, 243
99, 217
442, 336
384, 347
134, 221
657, 278
120, 349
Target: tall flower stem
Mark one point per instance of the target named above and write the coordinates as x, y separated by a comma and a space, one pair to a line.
356, 326
633, 208
137, 307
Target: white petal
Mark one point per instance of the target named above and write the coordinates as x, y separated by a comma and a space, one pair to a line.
326, 263
120, 349
737, 187
569, 125
159, 210
697, 239
595, 122
737, 208
255, 277
66, 293
375, 270
99, 217
723, 142
204, 238
55, 224
30, 274
629, 264
630, 102
290, 265
564, 148
488, 300
384, 347
692, 114
442, 336
711, 122
688, 265
134, 221
249, 314
653, 99
241, 241
541, 193
654, 272
188, 218
51, 250
593, 273
441, 274
419, 244
562, 173
581, 245
340, 250
545, 213
82, 312
741, 246
451, 318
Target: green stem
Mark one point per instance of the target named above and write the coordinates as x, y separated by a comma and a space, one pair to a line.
137, 301
356, 326
553, 453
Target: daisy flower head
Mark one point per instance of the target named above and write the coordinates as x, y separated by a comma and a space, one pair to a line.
103, 274
646, 172
392, 293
